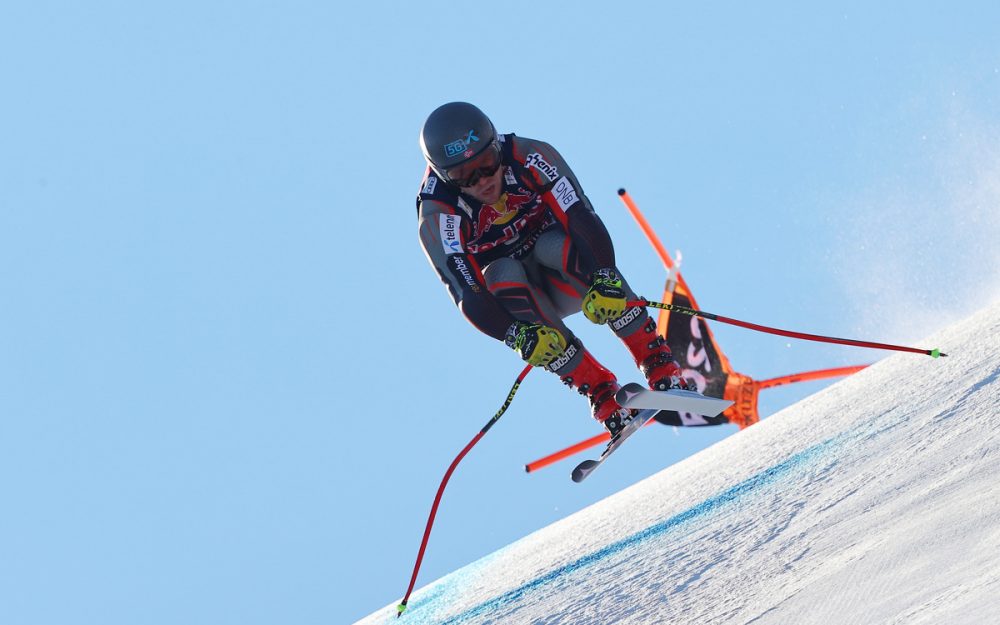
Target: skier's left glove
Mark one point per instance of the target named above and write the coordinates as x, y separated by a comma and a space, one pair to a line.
537, 344
605, 300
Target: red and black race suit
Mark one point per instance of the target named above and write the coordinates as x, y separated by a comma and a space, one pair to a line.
461, 235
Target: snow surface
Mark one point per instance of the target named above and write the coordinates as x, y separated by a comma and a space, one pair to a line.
873, 501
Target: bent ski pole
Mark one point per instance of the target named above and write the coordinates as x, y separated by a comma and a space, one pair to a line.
935, 353
444, 482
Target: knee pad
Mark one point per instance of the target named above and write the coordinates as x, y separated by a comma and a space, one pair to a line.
505, 270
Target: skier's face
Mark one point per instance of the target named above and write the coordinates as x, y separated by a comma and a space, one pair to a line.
488, 188
480, 178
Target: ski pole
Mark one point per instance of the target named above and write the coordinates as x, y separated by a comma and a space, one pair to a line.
444, 482
795, 335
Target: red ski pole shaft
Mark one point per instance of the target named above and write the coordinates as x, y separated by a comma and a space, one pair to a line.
795, 335
444, 482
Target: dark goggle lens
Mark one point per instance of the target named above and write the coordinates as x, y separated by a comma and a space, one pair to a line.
483, 166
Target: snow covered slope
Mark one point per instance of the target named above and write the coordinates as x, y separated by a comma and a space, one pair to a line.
874, 501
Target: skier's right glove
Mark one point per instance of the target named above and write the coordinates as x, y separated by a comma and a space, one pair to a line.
538, 345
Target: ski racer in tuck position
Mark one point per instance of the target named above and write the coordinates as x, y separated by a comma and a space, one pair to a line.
510, 232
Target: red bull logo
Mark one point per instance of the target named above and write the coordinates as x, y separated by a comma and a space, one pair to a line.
500, 213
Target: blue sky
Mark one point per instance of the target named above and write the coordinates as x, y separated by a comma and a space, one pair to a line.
230, 382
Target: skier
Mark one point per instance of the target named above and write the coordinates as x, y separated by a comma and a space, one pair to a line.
510, 232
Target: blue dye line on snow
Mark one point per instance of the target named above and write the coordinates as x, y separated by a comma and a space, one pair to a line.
726, 498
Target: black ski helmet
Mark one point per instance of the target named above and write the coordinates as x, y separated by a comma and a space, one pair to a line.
454, 133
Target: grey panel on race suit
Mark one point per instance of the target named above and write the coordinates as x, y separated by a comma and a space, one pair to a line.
553, 304
549, 253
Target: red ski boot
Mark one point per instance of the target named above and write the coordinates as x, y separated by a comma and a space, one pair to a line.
655, 360
599, 385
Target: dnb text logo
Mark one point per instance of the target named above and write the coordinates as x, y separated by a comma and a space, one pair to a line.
460, 145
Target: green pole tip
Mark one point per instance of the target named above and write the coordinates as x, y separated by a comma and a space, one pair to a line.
936, 353
400, 609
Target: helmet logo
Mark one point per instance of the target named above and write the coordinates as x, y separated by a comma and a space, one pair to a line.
459, 146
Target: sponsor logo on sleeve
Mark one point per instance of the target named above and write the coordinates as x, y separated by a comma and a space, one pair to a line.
547, 169
508, 175
450, 238
430, 185
461, 269
564, 193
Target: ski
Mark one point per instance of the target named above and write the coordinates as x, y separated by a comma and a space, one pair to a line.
633, 395
650, 403
587, 467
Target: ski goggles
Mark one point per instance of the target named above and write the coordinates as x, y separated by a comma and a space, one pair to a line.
470, 172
